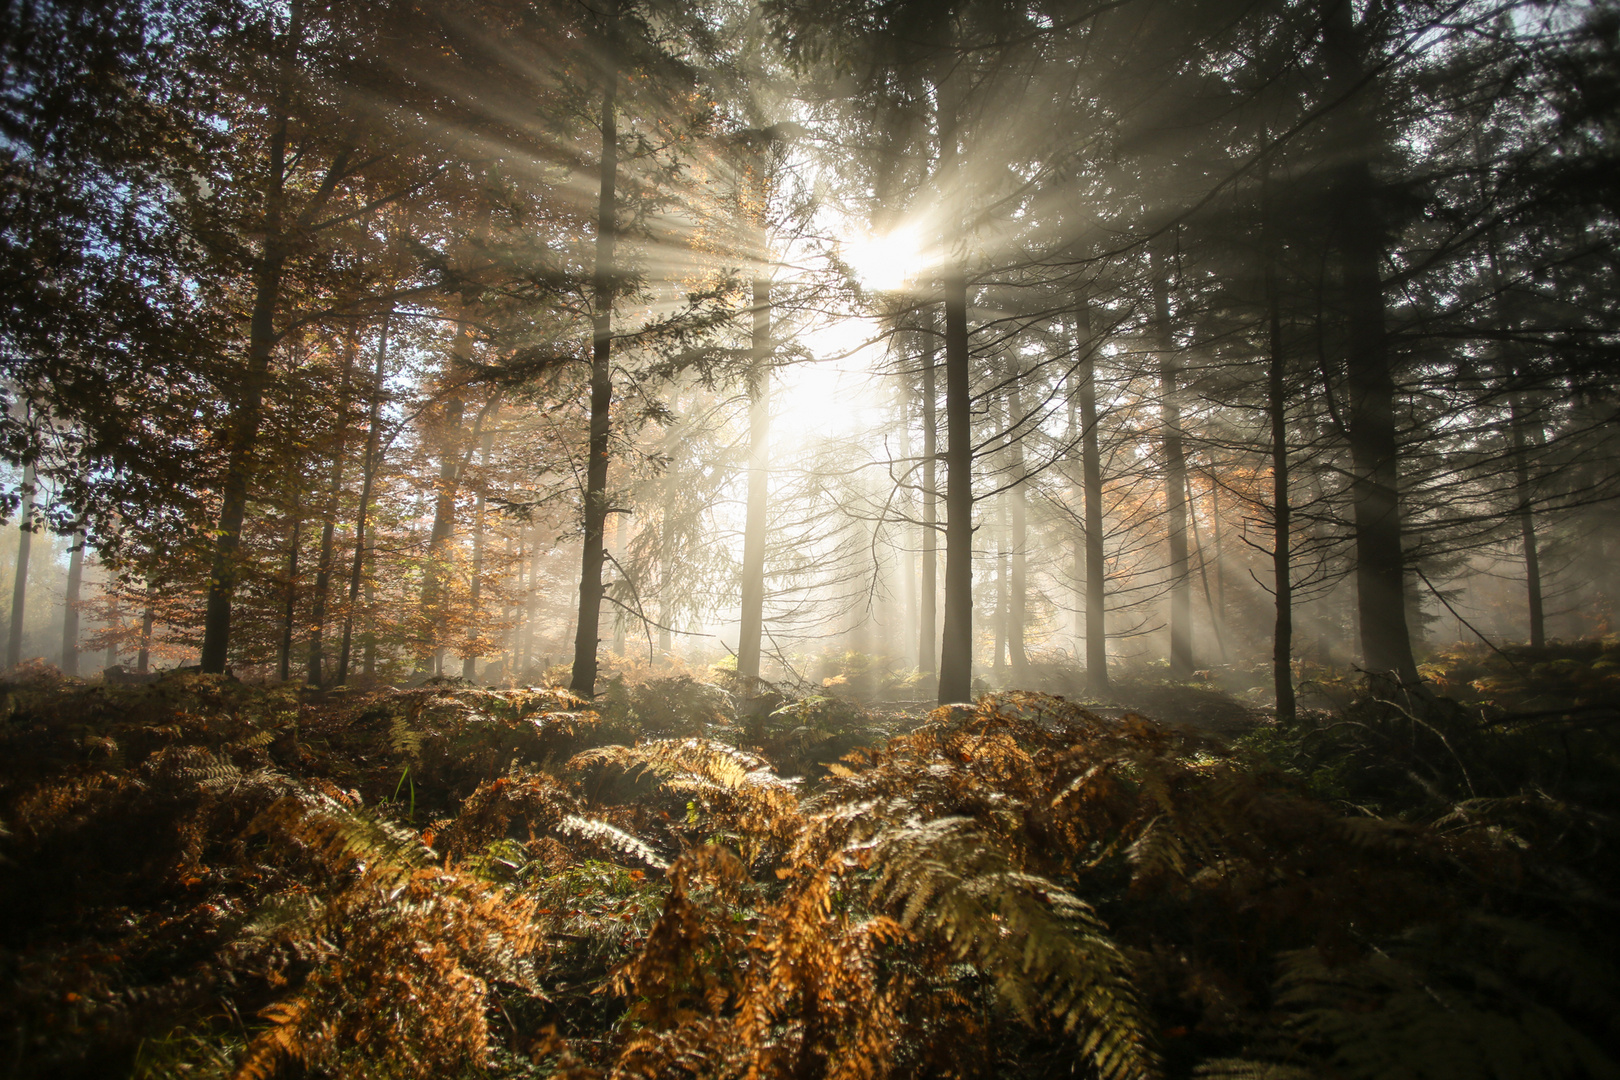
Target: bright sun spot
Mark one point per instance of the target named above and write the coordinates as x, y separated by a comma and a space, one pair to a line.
885, 262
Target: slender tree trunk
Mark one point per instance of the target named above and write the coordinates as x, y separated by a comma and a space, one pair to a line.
19, 587
113, 620
1216, 620
1091, 480
284, 656
1220, 552
1175, 475
998, 623
1018, 596
666, 552
532, 606
621, 533
143, 658
1386, 644
368, 639
956, 652
520, 607
759, 429
1527, 526
1077, 538
368, 472
70, 606
469, 662
1507, 318
1282, 639
927, 653
583, 681
243, 433
435, 611
909, 616
323, 571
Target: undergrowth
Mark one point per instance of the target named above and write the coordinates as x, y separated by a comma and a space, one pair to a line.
207, 879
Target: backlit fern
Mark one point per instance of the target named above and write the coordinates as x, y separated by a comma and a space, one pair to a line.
1020, 888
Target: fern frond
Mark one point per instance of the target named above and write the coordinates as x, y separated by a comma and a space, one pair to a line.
338, 834
1425, 1006
612, 837
1045, 948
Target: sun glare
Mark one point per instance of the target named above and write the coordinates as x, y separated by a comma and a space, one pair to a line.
884, 262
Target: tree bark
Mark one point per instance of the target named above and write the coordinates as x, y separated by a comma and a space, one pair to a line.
928, 620
956, 652
143, 658
244, 425
469, 662
583, 680
666, 548
1018, 584
1386, 644
435, 612
323, 571
284, 656
1282, 638
1527, 526
19, 587
70, 606
1091, 481
998, 620
111, 658
759, 430
1175, 474
368, 472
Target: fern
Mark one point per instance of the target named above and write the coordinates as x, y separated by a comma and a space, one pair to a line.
1045, 949
405, 950
610, 837
1490, 997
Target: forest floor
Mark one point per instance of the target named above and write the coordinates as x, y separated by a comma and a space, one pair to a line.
204, 878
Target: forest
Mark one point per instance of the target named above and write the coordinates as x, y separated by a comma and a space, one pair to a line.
810, 538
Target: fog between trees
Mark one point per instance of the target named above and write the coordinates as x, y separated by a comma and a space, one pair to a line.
994, 344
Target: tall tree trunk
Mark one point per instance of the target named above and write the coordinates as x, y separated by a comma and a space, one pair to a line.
520, 606
1527, 525
621, 591
284, 656
70, 606
1091, 480
435, 611
531, 615
759, 430
1018, 597
143, 658
998, 621
583, 681
956, 652
368, 472
909, 617
243, 432
113, 620
666, 551
469, 662
1386, 644
323, 571
1077, 538
927, 653
1217, 618
19, 587
1282, 638
1175, 473
369, 653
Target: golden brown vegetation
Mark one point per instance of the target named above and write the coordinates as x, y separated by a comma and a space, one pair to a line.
204, 878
